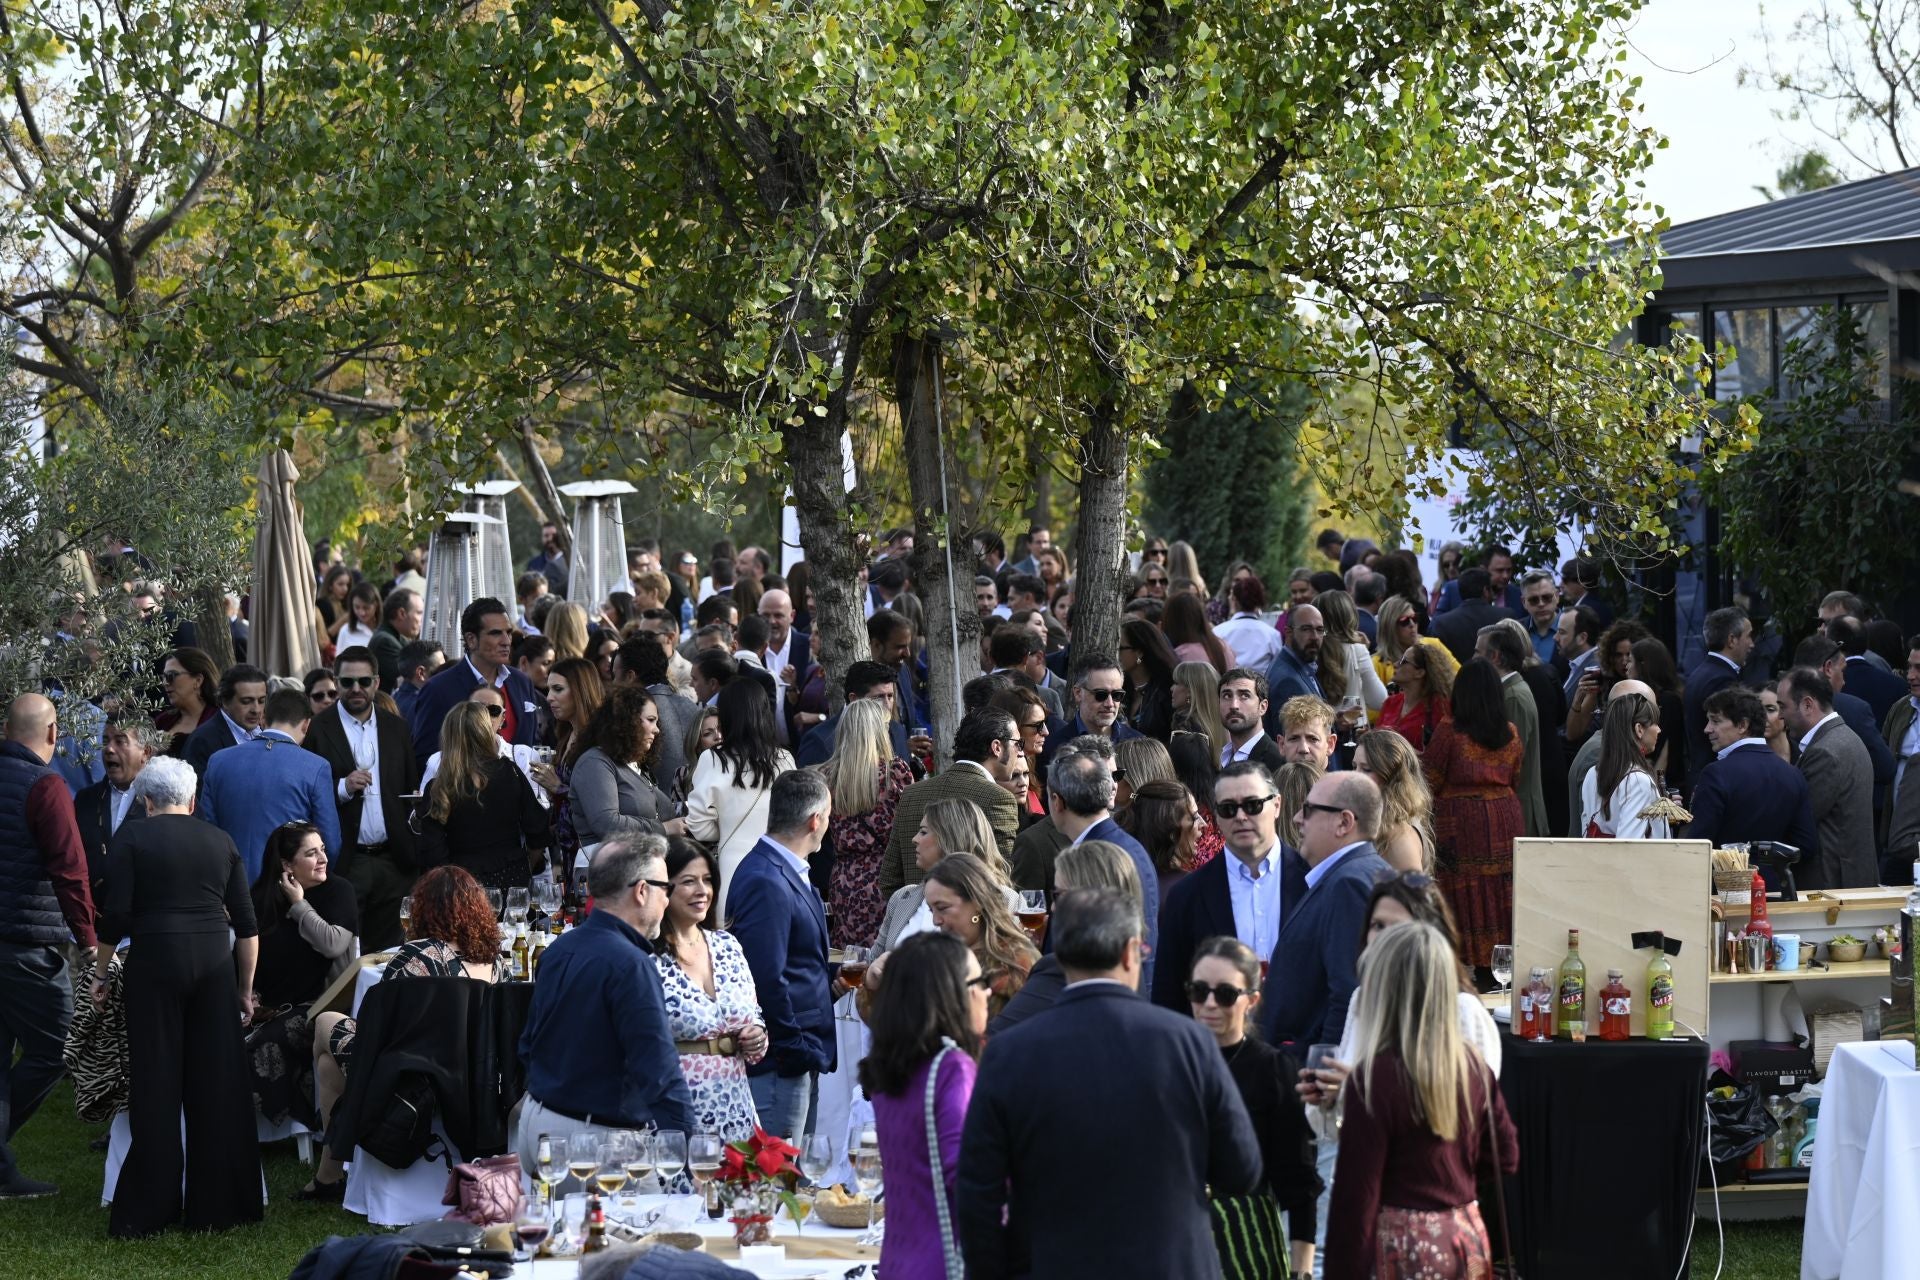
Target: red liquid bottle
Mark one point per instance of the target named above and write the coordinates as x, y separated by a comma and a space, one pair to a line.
1616, 1008
1536, 1007
1757, 922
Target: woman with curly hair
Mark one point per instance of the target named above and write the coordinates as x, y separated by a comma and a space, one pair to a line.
451, 934
613, 790
1590, 695
1422, 697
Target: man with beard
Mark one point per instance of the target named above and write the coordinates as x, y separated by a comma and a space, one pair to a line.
1296, 672
1243, 704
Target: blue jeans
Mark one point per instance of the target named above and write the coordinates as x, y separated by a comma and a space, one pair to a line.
36, 1004
1326, 1152
783, 1103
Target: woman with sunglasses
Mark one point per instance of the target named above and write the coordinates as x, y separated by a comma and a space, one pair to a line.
479, 812
322, 690
1422, 697
1408, 897
1224, 989
192, 687
928, 1024
1452, 556
1403, 624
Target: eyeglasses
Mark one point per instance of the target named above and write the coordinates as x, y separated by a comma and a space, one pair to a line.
1224, 994
495, 712
170, 676
662, 885
980, 983
1156, 582
356, 682
1104, 695
1250, 806
324, 695
1308, 806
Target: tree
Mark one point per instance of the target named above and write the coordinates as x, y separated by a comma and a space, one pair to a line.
1229, 481
1817, 504
1852, 71
1808, 171
742, 208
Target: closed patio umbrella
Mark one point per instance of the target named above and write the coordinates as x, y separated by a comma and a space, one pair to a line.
283, 641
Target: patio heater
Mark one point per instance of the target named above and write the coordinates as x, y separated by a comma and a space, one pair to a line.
598, 565
454, 572
497, 575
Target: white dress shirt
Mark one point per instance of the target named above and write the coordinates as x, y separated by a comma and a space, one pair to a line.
1808, 736
233, 727
119, 801
1257, 899
363, 739
1316, 874
1231, 754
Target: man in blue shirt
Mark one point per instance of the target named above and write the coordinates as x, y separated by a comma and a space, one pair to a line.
1540, 598
597, 1047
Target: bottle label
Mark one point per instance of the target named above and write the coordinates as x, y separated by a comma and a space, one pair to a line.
1573, 993
1618, 1007
1660, 993
1526, 1004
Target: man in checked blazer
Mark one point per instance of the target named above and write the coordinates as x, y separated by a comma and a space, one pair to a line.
983, 756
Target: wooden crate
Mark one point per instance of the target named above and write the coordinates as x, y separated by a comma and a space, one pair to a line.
1611, 890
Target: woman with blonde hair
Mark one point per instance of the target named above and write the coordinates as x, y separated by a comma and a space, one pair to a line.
1405, 839
947, 827
1183, 563
1136, 762
1421, 1117
967, 900
866, 781
567, 628
1196, 702
1402, 624
480, 812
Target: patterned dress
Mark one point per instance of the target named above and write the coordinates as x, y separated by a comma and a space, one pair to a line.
564, 836
1476, 815
1207, 840
421, 958
722, 1103
859, 844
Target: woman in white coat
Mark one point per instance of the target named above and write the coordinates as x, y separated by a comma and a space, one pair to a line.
727, 799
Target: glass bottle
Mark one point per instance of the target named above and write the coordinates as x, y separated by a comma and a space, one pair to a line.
1571, 1019
1757, 923
596, 1227
1536, 1007
1616, 1008
522, 960
1659, 993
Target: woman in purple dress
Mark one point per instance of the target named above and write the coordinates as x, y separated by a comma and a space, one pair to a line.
927, 1021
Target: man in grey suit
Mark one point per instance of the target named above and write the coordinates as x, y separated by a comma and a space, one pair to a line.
1901, 732
1839, 779
642, 661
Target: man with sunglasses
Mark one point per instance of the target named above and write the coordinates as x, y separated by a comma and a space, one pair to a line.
486, 631
1244, 894
597, 1047
370, 754
269, 781
1312, 976
1099, 693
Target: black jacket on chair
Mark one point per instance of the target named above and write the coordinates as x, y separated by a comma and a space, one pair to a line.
463, 1034
1103, 1081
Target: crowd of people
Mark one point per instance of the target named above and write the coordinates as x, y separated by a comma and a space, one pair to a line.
1241, 820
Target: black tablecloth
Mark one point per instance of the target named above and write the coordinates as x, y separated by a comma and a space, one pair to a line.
1609, 1155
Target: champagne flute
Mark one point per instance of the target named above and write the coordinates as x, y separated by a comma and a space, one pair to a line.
866, 1171
1503, 966
816, 1162
517, 905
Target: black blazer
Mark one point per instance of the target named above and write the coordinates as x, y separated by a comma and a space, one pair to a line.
1198, 907
1266, 754
399, 772
1265, 1076
1709, 676
1458, 628
490, 836
208, 738
1103, 1080
92, 811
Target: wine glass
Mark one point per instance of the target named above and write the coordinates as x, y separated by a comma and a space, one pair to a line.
1318, 1056
531, 1227
517, 905
406, 913
866, 1170
853, 970
640, 1157
1503, 966
495, 901
704, 1151
669, 1156
611, 1166
549, 1166
582, 1158
816, 1161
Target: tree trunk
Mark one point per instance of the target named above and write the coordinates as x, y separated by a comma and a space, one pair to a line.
1100, 540
945, 586
540, 481
826, 536
1041, 513
210, 624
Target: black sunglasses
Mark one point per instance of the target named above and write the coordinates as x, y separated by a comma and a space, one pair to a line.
1104, 695
1310, 806
324, 695
495, 712
1251, 805
1224, 994
1156, 582
662, 885
356, 682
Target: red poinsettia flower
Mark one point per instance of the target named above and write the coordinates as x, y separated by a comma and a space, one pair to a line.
733, 1165
765, 1141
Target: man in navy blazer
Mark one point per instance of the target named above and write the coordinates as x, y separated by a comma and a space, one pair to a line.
1244, 893
270, 780
1080, 806
1728, 634
486, 631
1295, 670
1102, 1081
1748, 793
126, 744
242, 696
782, 928
1312, 976
865, 679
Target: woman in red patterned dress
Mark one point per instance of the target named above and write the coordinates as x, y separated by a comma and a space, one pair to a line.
866, 781
1472, 764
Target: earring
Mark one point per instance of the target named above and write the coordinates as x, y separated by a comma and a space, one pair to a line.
976, 919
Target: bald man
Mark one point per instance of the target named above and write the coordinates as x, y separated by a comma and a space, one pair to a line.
788, 655
45, 905
1587, 759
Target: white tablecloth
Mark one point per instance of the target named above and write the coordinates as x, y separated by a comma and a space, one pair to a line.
1863, 1205
684, 1216
842, 1108
370, 975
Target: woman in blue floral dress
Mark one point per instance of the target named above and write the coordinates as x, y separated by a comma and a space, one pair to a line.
711, 1004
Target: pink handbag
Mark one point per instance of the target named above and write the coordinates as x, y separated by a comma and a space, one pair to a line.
485, 1191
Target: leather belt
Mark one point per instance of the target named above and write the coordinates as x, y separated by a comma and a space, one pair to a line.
721, 1046
581, 1117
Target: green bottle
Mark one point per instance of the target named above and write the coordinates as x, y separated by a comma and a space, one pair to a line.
1659, 993
1572, 1018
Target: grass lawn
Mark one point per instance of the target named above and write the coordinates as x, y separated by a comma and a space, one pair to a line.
65, 1237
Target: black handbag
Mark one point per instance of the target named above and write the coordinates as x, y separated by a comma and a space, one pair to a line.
449, 1240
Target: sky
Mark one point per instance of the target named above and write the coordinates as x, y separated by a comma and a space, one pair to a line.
1723, 137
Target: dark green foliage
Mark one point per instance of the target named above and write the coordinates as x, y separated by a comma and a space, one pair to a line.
1230, 481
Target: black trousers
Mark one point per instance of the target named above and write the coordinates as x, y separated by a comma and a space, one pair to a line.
379, 882
36, 1004
187, 1054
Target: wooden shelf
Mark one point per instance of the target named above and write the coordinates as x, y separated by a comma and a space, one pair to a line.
1830, 902
1755, 1188
1823, 973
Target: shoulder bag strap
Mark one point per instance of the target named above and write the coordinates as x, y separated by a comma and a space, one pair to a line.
949, 1250
1511, 1266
